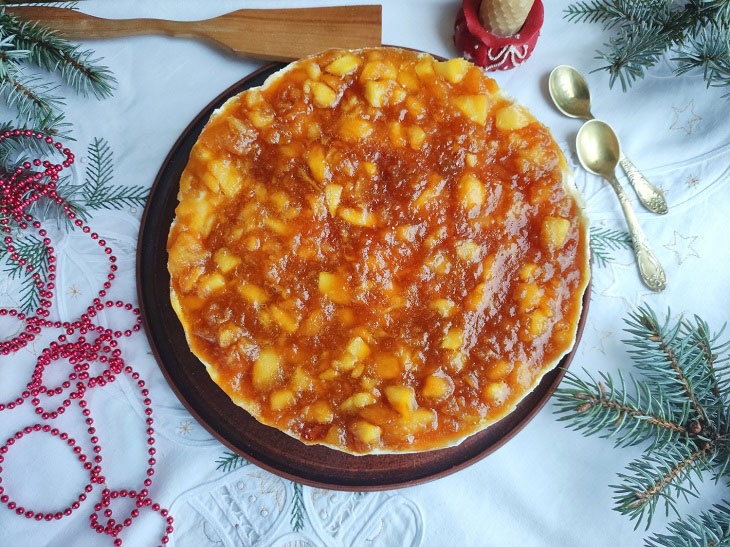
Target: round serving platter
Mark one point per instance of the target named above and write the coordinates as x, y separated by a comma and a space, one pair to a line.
263, 445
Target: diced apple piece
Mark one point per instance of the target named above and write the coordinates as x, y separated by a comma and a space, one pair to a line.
225, 260
228, 177
313, 70
439, 264
498, 370
474, 107
185, 252
281, 399
452, 70
421, 418
332, 194
192, 302
511, 118
437, 386
453, 339
261, 118
496, 392
323, 95
210, 283
355, 129
443, 306
300, 380
527, 272
476, 297
424, 67
266, 369
378, 70
407, 232
357, 347
366, 432
471, 191
334, 287
344, 65
370, 168
416, 137
415, 107
402, 399
228, 334
554, 232
285, 320
319, 412
190, 278
457, 361
329, 374
387, 366
395, 132
346, 362
253, 97
317, 164
313, 324
528, 296
358, 217
471, 160
408, 79
539, 323
468, 250
397, 95
376, 93
196, 211
276, 225
358, 400
253, 293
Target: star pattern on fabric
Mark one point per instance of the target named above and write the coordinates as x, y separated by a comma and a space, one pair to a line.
185, 427
683, 247
685, 118
601, 337
74, 291
692, 181
620, 288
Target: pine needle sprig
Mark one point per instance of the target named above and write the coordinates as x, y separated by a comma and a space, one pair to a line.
696, 31
98, 192
35, 253
297, 508
711, 529
678, 405
612, 412
78, 68
604, 240
230, 461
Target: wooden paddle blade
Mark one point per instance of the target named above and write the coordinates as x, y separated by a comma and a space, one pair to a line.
277, 34
286, 34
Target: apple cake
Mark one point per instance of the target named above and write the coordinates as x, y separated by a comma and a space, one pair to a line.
377, 251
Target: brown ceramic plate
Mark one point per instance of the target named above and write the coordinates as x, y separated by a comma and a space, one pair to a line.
263, 445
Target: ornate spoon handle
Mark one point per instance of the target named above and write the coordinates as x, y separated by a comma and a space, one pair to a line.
650, 270
649, 195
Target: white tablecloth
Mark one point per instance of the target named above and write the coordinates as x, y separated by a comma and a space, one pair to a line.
547, 486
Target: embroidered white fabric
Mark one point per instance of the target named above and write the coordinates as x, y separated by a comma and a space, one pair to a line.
548, 486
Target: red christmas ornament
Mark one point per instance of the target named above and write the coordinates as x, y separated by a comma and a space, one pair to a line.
494, 52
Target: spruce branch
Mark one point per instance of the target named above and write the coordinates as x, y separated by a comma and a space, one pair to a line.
48, 51
607, 409
604, 240
711, 529
696, 31
98, 193
31, 249
678, 405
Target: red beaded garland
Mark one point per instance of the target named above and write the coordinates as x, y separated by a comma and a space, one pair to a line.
17, 194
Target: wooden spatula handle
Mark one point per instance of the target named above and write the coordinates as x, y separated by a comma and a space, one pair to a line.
277, 34
75, 25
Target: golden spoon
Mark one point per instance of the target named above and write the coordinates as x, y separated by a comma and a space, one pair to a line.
599, 152
571, 96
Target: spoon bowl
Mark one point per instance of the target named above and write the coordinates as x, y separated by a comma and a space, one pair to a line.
569, 91
598, 148
599, 152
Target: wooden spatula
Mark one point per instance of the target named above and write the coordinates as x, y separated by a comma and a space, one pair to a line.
276, 34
